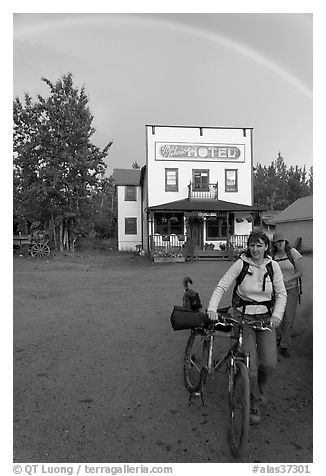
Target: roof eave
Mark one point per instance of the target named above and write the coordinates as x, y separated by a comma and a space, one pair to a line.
293, 219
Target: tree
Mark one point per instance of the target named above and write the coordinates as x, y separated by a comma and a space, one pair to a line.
310, 180
105, 209
276, 187
57, 169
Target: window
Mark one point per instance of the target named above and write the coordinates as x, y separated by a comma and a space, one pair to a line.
169, 223
130, 226
171, 180
231, 180
130, 193
200, 180
216, 228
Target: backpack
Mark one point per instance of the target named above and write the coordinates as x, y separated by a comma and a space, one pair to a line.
290, 258
237, 301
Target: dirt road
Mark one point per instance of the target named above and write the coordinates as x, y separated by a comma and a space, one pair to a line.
98, 368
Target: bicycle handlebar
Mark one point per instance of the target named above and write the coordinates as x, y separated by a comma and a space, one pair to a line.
225, 319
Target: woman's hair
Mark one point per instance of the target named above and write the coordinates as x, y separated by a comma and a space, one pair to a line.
255, 237
274, 248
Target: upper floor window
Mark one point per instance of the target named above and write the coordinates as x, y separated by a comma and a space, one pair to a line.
130, 193
200, 180
231, 180
171, 180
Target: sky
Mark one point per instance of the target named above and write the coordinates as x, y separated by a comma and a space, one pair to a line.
235, 63
218, 69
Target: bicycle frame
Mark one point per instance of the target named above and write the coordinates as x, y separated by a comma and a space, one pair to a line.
236, 351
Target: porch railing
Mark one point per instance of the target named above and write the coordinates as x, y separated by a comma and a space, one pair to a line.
208, 191
167, 241
238, 242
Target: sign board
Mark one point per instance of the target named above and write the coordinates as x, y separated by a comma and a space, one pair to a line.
194, 151
207, 214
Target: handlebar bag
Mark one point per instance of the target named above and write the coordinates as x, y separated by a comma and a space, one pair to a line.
182, 318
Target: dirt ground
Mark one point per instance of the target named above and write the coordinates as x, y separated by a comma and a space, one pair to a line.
98, 369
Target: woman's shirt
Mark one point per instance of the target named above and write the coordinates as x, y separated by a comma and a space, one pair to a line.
287, 268
251, 287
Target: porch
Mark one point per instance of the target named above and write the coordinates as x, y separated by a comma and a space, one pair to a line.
178, 247
198, 228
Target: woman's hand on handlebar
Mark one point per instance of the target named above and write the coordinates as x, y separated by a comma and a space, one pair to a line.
213, 316
275, 321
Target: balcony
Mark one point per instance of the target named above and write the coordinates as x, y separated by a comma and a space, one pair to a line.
203, 191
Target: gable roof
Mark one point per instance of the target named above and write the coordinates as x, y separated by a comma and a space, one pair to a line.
203, 205
299, 210
126, 176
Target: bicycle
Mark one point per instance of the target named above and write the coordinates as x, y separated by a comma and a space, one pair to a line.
199, 365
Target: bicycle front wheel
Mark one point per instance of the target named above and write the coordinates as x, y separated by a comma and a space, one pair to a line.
239, 408
195, 361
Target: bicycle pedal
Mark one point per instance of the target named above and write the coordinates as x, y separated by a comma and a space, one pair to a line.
194, 394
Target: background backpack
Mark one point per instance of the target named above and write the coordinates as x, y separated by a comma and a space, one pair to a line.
290, 258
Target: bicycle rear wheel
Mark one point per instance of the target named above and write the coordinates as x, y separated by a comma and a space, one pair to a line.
239, 408
195, 361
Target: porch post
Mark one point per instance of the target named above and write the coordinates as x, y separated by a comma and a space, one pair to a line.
228, 247
227, 231
184, 224
151, 230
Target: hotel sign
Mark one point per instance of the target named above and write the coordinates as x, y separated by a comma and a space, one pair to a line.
204, 152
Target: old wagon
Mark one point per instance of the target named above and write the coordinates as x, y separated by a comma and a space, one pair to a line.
35, 243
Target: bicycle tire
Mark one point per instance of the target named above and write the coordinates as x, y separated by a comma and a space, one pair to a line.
239, 409
195, 362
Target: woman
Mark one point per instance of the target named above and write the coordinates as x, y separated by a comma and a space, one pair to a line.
289, 260
256, 287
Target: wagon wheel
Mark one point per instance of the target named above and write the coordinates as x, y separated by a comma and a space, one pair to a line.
40, 250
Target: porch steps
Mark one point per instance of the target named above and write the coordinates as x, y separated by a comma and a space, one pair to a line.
210, 255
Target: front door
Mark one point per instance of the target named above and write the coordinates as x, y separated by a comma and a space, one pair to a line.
196, 232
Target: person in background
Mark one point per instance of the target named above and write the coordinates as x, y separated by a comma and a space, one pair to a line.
289, 260
254, 298
189, 249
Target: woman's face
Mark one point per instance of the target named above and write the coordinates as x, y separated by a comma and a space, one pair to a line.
257, 250
280, 245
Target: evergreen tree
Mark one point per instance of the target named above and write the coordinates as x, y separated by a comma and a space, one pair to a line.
276, 187
310, 181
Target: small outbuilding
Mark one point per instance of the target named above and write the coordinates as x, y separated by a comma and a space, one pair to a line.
296, 222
